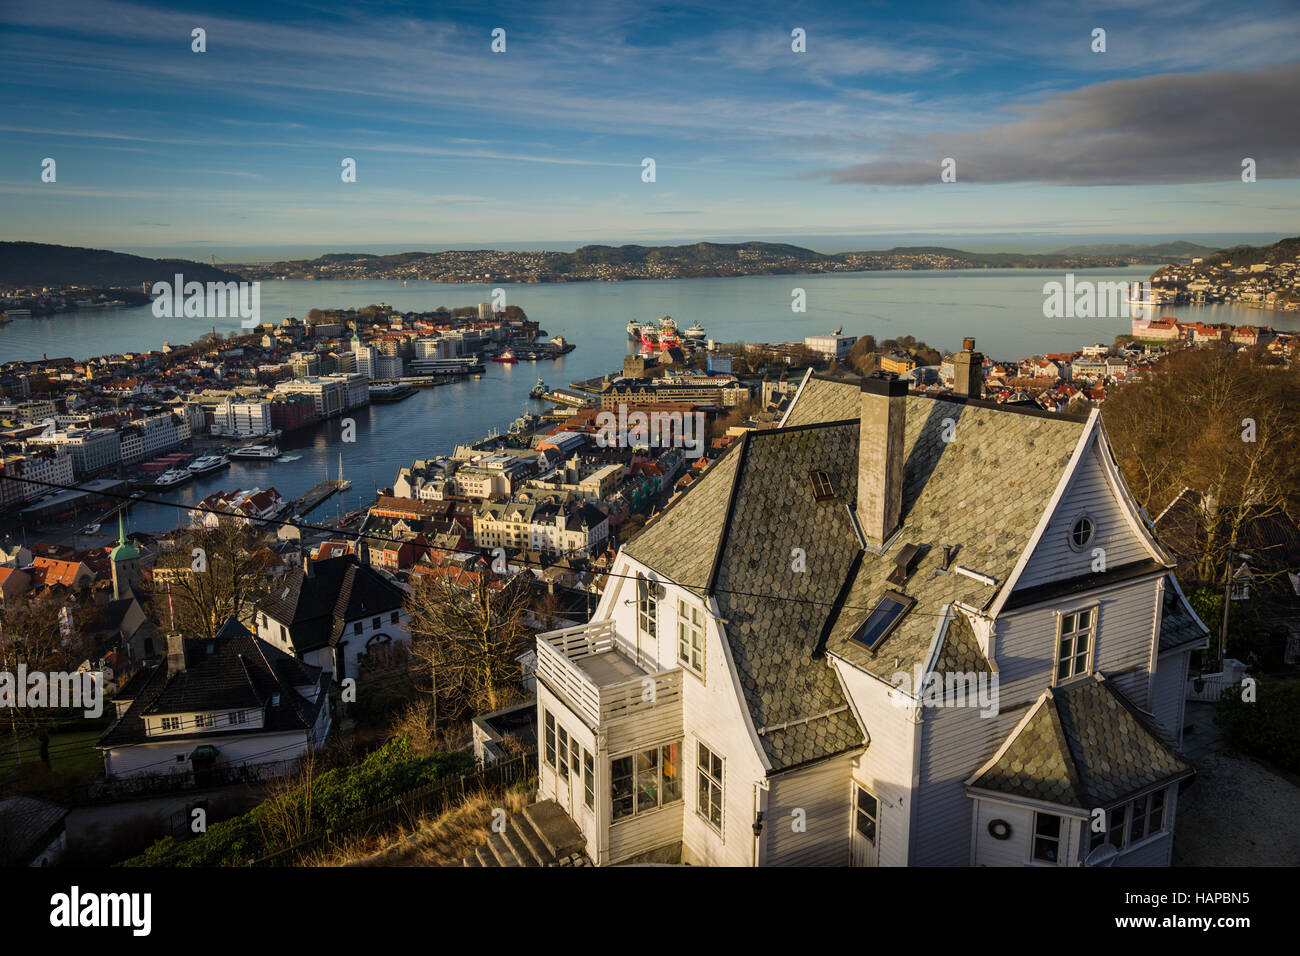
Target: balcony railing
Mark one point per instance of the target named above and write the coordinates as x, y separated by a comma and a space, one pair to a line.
595, 671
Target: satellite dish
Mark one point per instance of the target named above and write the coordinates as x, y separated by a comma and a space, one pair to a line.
1104, 855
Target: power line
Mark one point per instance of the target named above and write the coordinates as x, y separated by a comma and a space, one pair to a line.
524, 562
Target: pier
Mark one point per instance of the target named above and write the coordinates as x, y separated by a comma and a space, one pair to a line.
313, 498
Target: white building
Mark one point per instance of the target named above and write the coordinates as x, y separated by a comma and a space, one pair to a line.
211, 704
758, 683
833, 346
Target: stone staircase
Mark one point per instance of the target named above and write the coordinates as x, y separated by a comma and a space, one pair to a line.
542, 835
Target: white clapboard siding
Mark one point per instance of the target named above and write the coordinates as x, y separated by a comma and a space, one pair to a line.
1017, 849
659, 724
885, 768
956, 742
645, 832
1025, 644
1091, 491
1167, 693
818, 796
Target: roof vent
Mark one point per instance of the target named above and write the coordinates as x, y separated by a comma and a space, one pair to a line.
905, 564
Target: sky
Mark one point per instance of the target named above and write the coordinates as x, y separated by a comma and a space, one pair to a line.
164, 150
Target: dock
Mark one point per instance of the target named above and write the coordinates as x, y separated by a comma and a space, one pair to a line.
313, 498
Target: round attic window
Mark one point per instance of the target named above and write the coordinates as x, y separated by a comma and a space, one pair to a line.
1081, 532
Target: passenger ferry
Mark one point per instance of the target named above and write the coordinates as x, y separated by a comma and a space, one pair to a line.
256, 451
208, 464
172, 479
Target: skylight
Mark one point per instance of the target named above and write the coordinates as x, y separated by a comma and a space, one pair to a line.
883, 619
821, 486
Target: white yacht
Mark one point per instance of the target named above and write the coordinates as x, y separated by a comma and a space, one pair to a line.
172, 478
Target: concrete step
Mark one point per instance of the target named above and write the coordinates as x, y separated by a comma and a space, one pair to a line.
560, 834
517, 846
529, 836
470, 861
501, 850
485, 857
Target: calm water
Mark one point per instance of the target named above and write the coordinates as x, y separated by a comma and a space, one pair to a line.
1001, 308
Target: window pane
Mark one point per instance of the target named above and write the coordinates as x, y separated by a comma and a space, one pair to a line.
621, 786
670, 764
1117, 827
589, 779
647, 780
1157, 820
1137, 829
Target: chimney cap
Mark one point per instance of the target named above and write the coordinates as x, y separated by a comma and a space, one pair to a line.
968, 344
884, 383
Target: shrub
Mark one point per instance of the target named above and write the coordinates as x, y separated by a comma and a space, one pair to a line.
1269, 727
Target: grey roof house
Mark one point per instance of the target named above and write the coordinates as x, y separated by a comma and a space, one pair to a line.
897, 630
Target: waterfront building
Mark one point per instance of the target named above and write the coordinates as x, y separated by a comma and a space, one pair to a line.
834, 347
542, 522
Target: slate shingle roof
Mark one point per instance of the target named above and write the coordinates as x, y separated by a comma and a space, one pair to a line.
234, 670
316, 609
733, 533
1084, 746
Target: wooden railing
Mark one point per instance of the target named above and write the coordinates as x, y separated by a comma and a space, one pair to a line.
558, 653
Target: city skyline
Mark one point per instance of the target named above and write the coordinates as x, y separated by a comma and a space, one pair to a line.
163, 149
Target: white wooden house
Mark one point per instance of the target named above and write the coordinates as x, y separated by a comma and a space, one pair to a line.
757, 685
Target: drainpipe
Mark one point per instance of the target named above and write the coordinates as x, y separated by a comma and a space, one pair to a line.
761, 791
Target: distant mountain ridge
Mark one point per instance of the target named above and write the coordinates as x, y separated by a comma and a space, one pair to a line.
41, 264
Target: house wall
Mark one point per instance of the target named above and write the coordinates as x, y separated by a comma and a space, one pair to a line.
815, 797
1168, 686
1016, 850
713, 712
1024, 644
1156, 852
548, 778
160, 757
886, 767
1091, 490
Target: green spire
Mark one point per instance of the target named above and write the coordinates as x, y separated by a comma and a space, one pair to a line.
123, 551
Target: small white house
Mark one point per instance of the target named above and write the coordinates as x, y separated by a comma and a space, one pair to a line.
229, 701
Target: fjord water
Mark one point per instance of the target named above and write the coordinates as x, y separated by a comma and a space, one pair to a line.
1003, 309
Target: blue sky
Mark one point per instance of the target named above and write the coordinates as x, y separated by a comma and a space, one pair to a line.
161, 148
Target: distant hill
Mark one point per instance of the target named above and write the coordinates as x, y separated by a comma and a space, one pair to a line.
1283, 250
37, 263
1173, 250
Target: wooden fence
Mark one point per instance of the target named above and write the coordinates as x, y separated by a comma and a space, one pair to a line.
410, 806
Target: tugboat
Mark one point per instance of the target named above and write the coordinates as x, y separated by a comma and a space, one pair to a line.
256, 451
507, 357
539, 390
208, 464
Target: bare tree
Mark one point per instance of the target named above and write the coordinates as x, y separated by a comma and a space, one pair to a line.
468, 632
214, 574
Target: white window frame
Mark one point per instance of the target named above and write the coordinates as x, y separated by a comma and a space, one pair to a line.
1127, 840
660, 763
705, 782
690, 626
647, 609
1069, 532
1034, 837
1094, 612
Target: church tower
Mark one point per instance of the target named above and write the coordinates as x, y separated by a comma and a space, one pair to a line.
125, 561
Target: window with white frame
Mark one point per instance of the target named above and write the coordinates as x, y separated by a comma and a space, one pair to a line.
548, 722
588, 779
645, 780
171, 723
1047, 838
237, 717
647, 608
708, 786
562, 751
690, 637
205, 720
1074, 643
1131, 822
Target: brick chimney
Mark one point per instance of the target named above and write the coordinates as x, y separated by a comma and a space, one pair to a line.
968, 371
880, 456
175, 653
